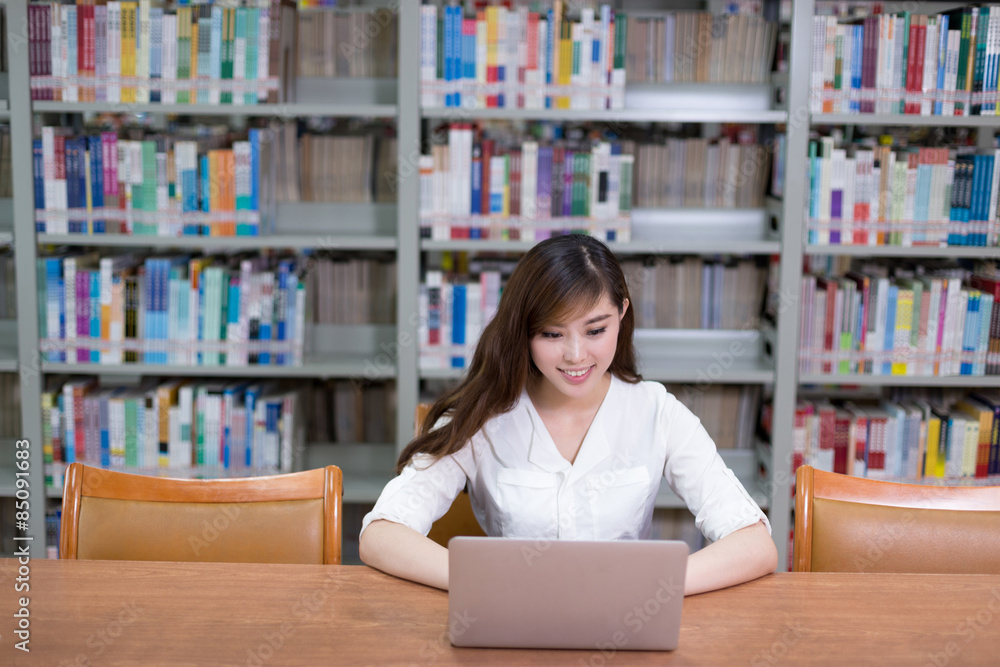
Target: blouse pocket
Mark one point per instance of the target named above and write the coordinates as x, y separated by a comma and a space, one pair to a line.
618, 502
528, 503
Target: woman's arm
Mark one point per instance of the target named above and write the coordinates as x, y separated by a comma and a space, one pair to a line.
401, 551
742, 555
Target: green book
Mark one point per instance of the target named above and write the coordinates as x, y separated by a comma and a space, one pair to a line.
901, 84
183, 53
250, 96
131, 432
963, 60
227, 52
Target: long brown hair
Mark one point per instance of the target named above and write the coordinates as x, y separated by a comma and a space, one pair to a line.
556, 278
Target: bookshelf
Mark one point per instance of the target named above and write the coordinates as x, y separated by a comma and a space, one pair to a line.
766, 355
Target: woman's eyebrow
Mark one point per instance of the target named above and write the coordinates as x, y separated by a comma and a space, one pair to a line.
597, 319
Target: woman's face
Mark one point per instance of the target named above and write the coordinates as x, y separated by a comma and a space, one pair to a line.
573, 356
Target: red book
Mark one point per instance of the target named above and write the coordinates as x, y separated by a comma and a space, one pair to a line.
911, 66
515, 192
831, 297
918, 76
841, 440
488, 148
989, 286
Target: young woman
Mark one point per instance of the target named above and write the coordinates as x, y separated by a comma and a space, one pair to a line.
557, 436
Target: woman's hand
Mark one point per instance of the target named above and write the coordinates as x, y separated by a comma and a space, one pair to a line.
403, 552
742, 555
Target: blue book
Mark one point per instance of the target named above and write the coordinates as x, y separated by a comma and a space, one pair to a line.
857, 60
251, 397
38, 172
942, 59
970, 333
975, 195
265, 324
550, 39
71, 49
281, 309
890, 328
477, 187
468, 56
189, 203
233, 301
205, 194
95, 314
254, 230
449, 55
458, 324
984, 197
96, 181
72, 201
105, 430
272, 454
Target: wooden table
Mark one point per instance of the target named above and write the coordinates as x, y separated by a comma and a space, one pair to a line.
146, 613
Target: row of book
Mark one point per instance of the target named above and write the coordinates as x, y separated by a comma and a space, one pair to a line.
453, 309
10, 406
906, 63
915, 196
908, 441
937, 324
6, 174
174, 309
196, 181
516, 58
347, 44
698, 172
344, 411
728, 412
134, 52
174, 428
344, 288
699, 47
341, 168
476, 187
8, 286
695, 293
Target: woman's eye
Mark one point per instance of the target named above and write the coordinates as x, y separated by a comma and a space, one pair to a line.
597, 332
549, 334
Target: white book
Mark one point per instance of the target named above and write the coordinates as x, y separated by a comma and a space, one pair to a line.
114, 65
927, 90
816, 74
991, 217
68, 38
142, 54
514, 36
481, 69
263, 49
529, 182
215, 54
428, 55
239, 56
100, 52
847, 203
959, 333
951, 297
601, 79
169, 74
522, 58
537, 85
586, 58
876, 343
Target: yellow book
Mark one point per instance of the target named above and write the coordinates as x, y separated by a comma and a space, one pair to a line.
933, 441
491, 52
565, 64
166, 397
194, 55
128, 50
88, 185
902, 334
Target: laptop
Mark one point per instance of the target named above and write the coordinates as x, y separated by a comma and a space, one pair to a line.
598, 595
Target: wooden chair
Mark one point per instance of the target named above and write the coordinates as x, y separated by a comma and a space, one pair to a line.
292, 518
851, 524
459, 519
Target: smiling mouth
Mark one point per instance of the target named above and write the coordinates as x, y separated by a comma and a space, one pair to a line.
576, 374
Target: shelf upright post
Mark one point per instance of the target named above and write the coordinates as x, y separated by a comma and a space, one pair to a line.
408, 233
790, 305
25, 251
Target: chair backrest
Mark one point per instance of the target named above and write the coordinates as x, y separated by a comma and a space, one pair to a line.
292, 518
852, 524
459, 519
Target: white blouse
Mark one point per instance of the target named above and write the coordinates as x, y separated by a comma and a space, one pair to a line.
521, 486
